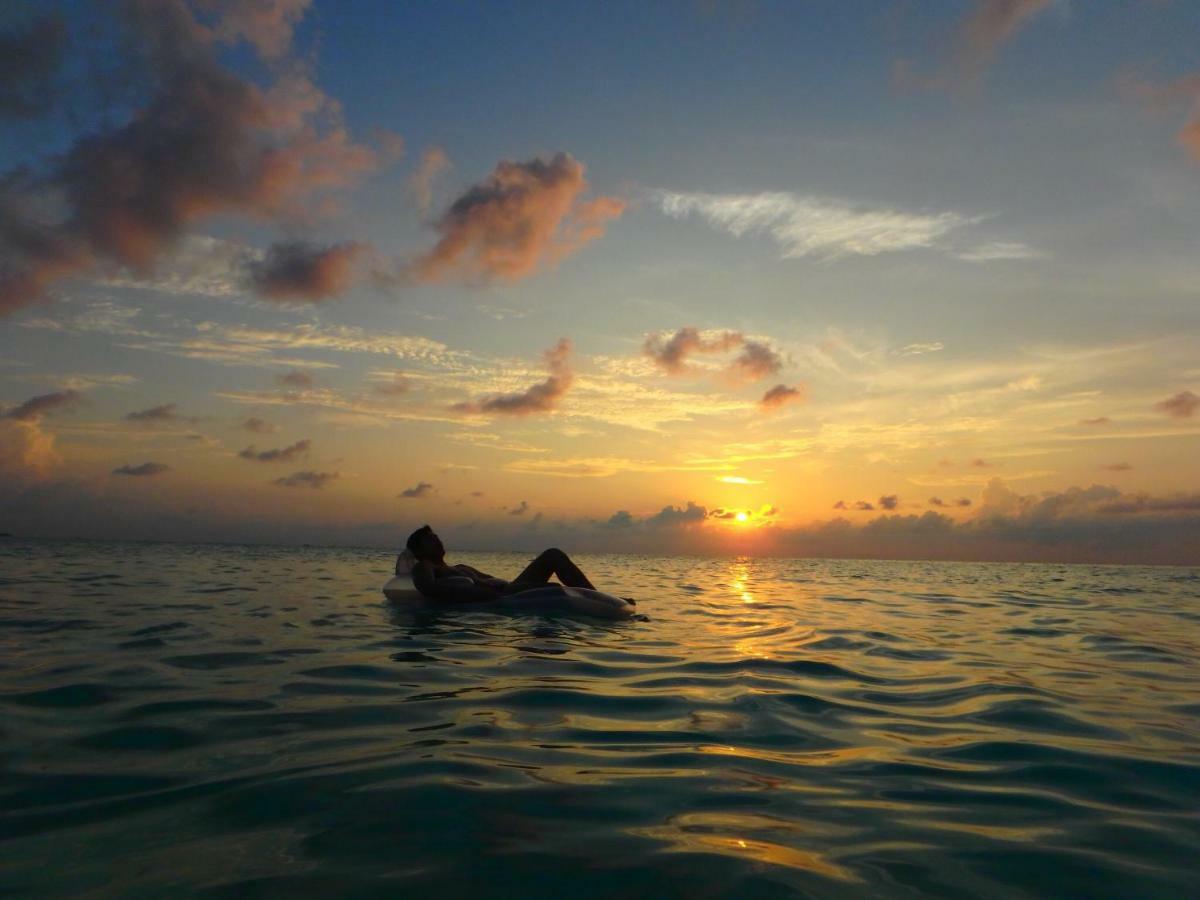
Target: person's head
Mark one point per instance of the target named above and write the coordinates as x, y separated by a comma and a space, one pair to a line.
425, 544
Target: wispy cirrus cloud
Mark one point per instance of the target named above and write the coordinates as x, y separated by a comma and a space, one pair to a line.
806, 226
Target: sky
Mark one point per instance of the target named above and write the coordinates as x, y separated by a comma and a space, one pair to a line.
887, 280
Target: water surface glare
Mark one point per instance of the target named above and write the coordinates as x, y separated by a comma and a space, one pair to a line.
226, 721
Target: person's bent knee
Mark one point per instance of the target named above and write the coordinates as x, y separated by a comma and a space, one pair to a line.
553, 553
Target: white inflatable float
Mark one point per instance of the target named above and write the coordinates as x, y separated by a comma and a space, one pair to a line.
401, 591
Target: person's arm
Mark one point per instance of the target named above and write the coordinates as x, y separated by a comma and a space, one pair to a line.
453, 589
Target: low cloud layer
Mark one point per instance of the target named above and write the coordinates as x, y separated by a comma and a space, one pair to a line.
30, 58
524, 216
540, 398
810, 226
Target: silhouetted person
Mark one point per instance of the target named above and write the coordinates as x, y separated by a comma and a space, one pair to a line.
438, 580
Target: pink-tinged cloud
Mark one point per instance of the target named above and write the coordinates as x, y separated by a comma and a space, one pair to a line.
277, 454
1181, 406
266, 24
207, 142
298, 271
35, 408
756, 362
145, 470
541, 397
1185, 89
434, 161
297, 380
986, 29
417, 491
306, 479
164, 413
781, 395
671, 353
522, 217
30, 58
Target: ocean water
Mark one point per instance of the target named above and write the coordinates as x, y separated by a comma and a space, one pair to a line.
226, 721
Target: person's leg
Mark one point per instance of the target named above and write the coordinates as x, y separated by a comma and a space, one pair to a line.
554, 562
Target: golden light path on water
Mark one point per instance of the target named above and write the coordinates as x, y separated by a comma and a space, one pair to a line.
214, 716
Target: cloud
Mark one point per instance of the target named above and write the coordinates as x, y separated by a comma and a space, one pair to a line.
299, 271
1117, 467
433, 162
258, 426
672, 516
164, 413
978, 463
146, 469
417, 491
206, 142
279, 454
980, 36
396, 385
841, 504
998, 250
29, 64
1181, 406
42, 405
1099, 420
1186, 89
938, 501
810, 226
755, 362
299, 380
889, 501
736, 479
523, 216
542, 397
782, 394
671, 353
306, 479
864, 505
921, 349
26, 451
519, 510
622, 518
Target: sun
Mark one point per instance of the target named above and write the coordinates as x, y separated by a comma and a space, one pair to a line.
742, 517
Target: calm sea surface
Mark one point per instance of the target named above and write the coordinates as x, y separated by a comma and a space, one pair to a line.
257, 722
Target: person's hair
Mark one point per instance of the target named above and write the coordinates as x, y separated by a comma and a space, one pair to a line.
414, 540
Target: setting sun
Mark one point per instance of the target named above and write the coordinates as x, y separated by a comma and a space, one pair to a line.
742, 517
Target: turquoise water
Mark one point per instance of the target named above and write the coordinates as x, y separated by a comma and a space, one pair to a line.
257, 722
